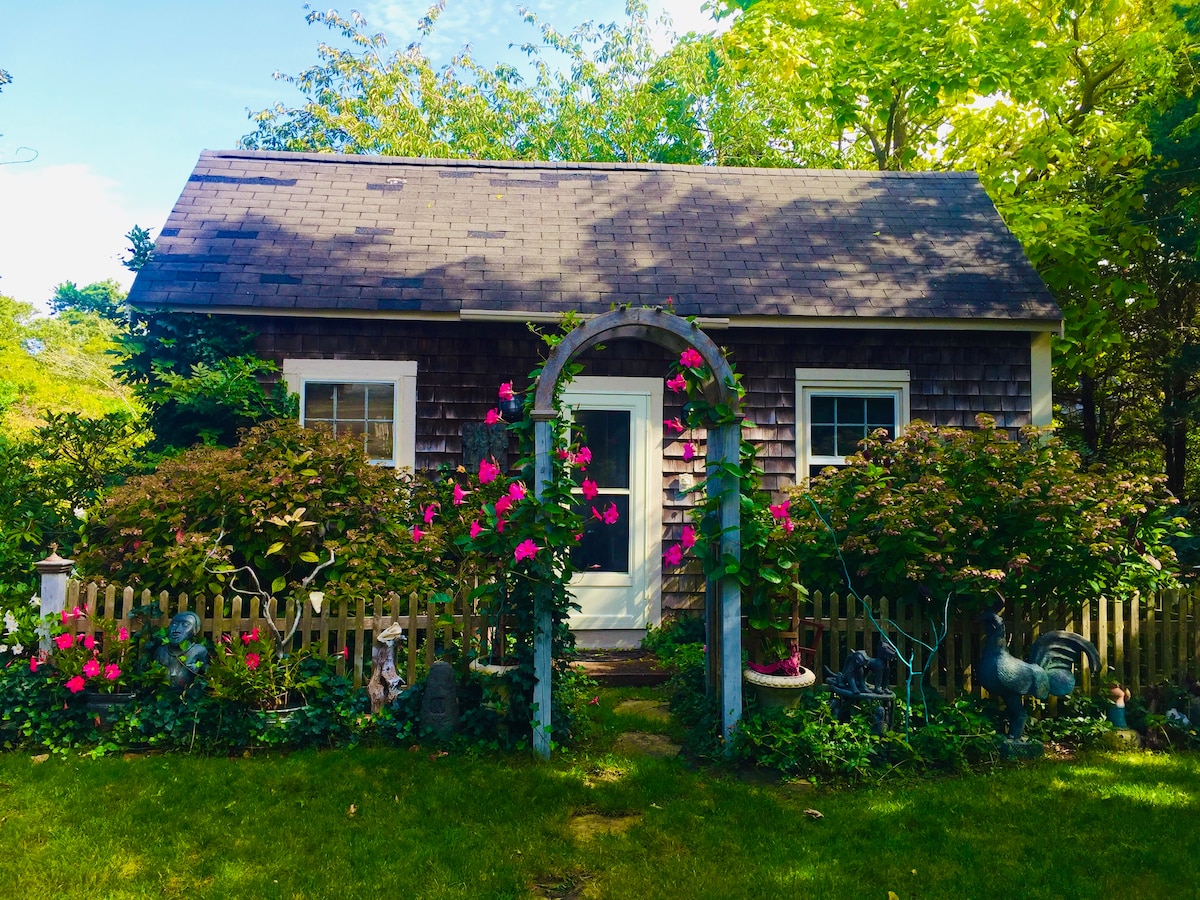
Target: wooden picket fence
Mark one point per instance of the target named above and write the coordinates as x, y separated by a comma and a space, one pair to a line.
1140, 642
430, 629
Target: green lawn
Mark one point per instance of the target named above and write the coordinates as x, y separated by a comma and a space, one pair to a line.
379, 822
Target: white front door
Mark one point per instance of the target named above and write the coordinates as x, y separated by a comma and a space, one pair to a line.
618, 586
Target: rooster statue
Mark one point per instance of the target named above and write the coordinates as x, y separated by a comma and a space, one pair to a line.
1049, 671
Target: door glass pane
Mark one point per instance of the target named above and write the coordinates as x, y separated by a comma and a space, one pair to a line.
604, 547
606, 432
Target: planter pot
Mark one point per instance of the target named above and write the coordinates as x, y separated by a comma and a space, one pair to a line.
779, 691
500, 688
282, 715
107, 708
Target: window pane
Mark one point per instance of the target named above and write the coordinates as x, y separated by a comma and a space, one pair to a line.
881, 412
351, 401
318, 400
851, 410
606, 432
379, 440
823, 443
848, 437
380, 401
604, 547
354, 427
822, 410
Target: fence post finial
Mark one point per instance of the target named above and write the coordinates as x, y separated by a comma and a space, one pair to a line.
54, 572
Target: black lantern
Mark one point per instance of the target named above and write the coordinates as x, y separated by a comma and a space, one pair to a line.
512, 409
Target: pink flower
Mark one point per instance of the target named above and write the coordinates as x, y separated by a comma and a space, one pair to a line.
488, 471
252, 660
503, 504
91, 668
246, 638
579, 537
492, 417
673, 555
500, 523
689, 451
590, 489
417, 534
76, 684
609, 516
64, 641
689, 537
346, 653
123, 634
516, 490
79, 638
76, 612
254, 633
506, 391
691, 358
430, 512
476, 528
526, 550
595, 701
788, 526
673, 425
780, 510
33, 663
583, 458
89, 641
564, 454
63, 615
112, 671
459, 495
678, 383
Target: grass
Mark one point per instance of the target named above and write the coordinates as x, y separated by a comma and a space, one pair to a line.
375, 822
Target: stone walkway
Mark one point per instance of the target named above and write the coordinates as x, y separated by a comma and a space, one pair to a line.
645, 743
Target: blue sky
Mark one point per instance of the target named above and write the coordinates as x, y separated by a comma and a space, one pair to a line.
113, 100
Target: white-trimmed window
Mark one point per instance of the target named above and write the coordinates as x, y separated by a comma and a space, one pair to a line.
376, 399
837, 408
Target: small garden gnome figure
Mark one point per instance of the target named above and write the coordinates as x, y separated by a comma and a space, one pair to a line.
184, 655
1116, 712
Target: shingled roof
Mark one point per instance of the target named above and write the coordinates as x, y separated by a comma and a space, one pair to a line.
258, 230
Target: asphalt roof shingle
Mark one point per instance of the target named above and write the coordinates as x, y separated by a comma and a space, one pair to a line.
262, 230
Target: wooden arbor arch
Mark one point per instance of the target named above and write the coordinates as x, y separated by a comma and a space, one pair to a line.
723, 602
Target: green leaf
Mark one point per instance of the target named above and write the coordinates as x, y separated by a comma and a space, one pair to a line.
309, 557
274, 548
278, 584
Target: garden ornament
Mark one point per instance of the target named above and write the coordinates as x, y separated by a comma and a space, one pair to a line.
864, 678
439, 705
1116, 712
184, 655
385, 682
1050, 670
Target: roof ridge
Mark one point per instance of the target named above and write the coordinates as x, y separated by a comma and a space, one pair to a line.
551, 165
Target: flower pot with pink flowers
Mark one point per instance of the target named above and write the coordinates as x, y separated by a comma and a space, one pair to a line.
248, 669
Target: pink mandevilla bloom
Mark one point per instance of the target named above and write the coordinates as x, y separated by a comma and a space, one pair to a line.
488, 471
691, 358
689, 537
91, 668
246, 638
33, 663
252, 660
780, 510
254, 633
417, 534
76, 684
476, 528
678, 383
63, 641
590, 489
112, 671
63, 615
460, 495
79, 638
584, 457
346, 653
609, 516
689, 451
430, 512
89, 641
503, 504
527, 549
123, 634
76, 612
492, 417
673, 425
506, 391
674, 555
500, 523
516, 490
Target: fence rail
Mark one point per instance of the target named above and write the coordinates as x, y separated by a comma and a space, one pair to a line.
429, 628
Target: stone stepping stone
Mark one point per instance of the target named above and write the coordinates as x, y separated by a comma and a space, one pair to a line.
655, 710
590, 825
641, 743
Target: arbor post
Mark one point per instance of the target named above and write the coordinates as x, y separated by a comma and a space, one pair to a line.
542, 624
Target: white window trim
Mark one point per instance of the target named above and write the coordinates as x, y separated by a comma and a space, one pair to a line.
402, 374
857, 382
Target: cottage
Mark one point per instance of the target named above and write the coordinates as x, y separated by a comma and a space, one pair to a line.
395, 296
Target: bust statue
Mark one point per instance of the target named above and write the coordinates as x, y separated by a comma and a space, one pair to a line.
183, 655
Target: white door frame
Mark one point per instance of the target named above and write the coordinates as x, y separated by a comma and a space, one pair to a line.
643, 584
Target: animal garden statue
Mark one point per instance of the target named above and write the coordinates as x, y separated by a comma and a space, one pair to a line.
864, 678
1050, 670
386, 682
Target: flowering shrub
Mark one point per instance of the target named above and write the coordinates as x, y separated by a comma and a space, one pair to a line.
247, 668
87, 663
